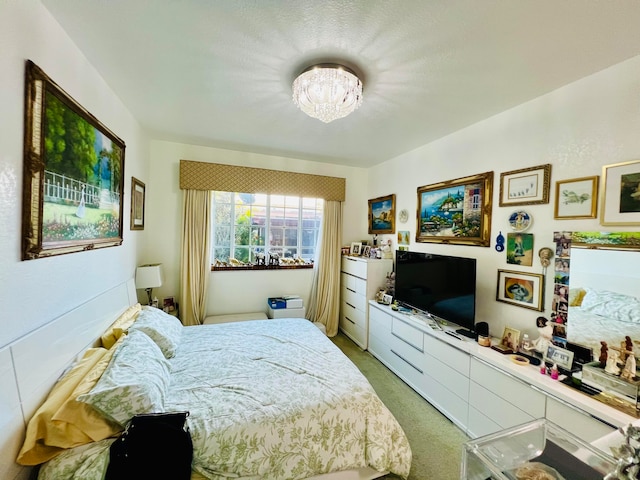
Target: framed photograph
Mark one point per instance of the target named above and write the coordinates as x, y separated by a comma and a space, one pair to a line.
520, 289
73, 174
576, 198
563, 358
520, 249
382, 215
169, 304
137, 204
528, 186
510, 339
356, 247
366, 251
456, 211
620, 204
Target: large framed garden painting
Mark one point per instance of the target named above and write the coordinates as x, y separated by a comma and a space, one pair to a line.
456, 211
73, 174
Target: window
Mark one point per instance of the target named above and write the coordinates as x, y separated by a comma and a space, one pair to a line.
246, 223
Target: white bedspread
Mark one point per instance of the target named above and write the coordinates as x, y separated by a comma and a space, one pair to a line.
270, 399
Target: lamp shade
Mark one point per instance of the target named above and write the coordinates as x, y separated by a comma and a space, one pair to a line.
149, 276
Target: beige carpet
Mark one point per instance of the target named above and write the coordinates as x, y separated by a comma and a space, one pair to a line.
436, 443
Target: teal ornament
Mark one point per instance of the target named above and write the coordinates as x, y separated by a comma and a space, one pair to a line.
500, 242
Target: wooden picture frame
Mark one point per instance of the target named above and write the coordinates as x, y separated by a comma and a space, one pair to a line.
527, 186
382, 214
138, 194
456, 211
356, 248
510, 339
521, 289
606, 240
620, 201
73, 182
576, 198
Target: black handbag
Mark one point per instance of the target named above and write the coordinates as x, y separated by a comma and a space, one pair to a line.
153, 445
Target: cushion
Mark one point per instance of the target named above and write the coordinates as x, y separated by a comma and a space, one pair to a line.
617, 306
134, 382
576, 295
82, 416
120, 326
45, 439
164, 329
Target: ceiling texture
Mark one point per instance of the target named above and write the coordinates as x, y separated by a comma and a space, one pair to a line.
219, 72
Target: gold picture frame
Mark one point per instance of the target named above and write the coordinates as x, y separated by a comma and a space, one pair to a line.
73, 174
382, 215
521, 289
527, 186
510, 339
138, 193
576, 198
620, 200
456, 211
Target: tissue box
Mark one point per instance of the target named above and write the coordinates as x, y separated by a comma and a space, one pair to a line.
277, 302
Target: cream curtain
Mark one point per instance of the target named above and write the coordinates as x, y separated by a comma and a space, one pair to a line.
195, 266
324, 301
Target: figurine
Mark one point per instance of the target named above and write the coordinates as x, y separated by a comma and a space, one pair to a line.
627, 455
546, 332
612, 363
629, 371
604, 357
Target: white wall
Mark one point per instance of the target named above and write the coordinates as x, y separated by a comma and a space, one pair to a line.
36, 291
241, 291
578, 129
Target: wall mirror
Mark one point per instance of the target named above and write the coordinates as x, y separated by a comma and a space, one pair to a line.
604, 297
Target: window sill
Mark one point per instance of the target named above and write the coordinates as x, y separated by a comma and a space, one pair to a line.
261, 267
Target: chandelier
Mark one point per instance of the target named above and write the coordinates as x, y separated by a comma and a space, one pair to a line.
327, 91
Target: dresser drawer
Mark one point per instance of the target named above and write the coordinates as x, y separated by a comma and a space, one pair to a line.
354, 267
355, 299
353, 314
353, 330
353, 283
453, 357
408, 334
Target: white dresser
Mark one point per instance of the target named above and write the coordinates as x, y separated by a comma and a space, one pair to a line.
361, 279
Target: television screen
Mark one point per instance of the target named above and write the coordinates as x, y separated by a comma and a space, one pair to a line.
441, 285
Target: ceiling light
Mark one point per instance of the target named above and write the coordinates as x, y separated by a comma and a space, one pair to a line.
327, 91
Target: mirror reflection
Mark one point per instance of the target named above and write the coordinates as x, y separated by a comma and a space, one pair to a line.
604, 298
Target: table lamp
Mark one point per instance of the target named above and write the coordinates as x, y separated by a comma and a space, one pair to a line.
148, 277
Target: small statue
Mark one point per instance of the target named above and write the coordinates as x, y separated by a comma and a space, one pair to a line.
604, 357
612, 363
629, 371
546, 332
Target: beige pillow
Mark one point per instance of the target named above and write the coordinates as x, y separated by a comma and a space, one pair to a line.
44, 438
120, 326
576, 295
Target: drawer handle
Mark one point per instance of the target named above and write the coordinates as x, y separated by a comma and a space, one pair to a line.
404, 341
406, 361
351, 259
347, 318
349, 305
350, 290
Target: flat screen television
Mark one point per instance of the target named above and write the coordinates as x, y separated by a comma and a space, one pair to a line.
442, 285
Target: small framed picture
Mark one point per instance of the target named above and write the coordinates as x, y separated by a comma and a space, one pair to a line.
528, 186
621, 194
168, 304
520, 289
366, 251
510, 339
382, 214
356, 247
576, 198
520, 249
137, 204
561, 357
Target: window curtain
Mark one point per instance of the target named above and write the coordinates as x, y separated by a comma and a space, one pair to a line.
195, 265
324, 301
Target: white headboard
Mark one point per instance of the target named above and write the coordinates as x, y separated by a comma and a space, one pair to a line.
30, 366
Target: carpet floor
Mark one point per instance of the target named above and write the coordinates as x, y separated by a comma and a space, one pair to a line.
436, 443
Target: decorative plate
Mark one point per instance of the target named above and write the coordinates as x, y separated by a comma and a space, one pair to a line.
520, 220
404, 215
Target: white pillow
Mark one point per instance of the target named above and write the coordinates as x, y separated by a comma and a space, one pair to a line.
162, 328
134, 382
617, 306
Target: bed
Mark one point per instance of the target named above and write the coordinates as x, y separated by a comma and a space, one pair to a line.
267, 399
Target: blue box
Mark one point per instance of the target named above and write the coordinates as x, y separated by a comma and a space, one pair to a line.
277, 302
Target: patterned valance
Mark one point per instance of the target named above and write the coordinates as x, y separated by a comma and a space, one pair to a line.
231, 178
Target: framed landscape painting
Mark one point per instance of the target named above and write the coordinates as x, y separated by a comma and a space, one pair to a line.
382, 215
73, 174
456, 211
621, 194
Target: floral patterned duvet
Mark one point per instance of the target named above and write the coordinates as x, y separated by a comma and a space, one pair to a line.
267, 399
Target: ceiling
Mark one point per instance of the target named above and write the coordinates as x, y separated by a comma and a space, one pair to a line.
219, 72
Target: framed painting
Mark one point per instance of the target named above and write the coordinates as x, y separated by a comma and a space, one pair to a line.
73, 174
510, 339
382, 214
620, 203
606, 240
528, 186
576, 198
456, 211
520, 249
521, 289
137, 204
